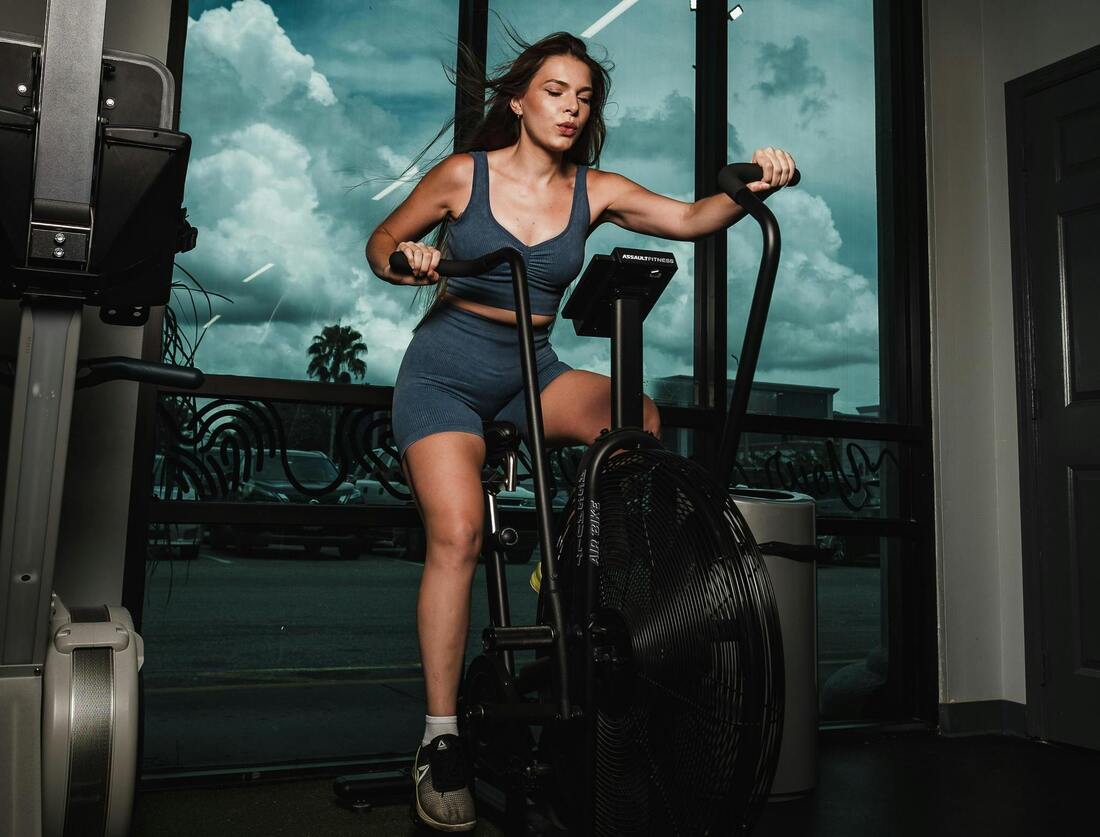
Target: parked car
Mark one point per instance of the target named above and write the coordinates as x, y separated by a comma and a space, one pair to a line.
171, 541
270, 483
370, 483
373, 488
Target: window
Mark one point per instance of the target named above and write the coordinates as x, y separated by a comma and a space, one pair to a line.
855, 671
291, 105
263, 656
301, 115
650, 139
802, 78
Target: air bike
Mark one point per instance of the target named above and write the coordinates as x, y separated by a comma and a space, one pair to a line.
658, 683
92, 175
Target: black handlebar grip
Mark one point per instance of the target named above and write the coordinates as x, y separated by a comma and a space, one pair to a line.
733, 178
102, 369
453, 267
149, 372
183, 377
399, 263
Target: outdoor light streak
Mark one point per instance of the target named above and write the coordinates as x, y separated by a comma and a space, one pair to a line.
263, 269
617, 10
413, 172
267, 325
213, 320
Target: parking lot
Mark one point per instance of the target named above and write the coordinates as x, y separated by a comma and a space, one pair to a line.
270, 656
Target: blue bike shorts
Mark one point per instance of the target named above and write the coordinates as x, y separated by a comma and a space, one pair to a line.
462, 369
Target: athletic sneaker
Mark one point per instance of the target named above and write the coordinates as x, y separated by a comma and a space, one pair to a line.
443, 798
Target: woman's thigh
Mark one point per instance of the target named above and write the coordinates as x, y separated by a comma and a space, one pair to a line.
576, 406
444, 472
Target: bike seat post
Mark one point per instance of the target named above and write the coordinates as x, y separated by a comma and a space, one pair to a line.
495, 578
626, 362
510, 470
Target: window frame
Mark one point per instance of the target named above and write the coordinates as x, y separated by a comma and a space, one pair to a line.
905, 374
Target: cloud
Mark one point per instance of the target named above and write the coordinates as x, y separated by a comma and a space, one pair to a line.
661, 140
275, 157
792, 74
258, 205
823, 314
255, 53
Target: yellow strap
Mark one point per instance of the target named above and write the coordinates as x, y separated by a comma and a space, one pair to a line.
536, 577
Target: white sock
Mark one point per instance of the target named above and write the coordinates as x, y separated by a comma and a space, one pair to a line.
439, 725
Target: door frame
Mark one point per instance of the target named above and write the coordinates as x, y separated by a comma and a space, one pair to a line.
1016, 92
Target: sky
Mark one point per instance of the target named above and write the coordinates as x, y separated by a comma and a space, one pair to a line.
300, 113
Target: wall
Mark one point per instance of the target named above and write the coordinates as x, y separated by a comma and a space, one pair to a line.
972, 47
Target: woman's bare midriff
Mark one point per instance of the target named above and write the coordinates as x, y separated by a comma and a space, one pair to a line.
501, 315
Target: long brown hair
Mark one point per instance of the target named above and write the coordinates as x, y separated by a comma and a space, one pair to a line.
496, 125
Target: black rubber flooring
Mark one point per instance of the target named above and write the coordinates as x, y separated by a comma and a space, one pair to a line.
900, 785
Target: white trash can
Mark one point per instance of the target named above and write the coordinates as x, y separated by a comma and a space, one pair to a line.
786, 520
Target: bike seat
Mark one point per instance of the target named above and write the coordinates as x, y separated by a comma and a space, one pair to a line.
501, 438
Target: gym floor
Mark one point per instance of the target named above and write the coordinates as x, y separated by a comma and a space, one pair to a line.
896, 784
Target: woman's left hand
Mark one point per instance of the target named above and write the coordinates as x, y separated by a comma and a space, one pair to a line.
778, 168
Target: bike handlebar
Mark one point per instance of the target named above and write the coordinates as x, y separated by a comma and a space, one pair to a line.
100, 370
456, 267
732, 180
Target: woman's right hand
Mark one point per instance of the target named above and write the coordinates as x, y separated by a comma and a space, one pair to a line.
423, 260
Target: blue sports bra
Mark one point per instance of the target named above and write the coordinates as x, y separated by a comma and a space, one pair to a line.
551, 264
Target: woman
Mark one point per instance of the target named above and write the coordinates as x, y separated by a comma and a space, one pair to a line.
526, 184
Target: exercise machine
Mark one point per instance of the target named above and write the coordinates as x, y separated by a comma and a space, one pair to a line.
93, 172
657, 684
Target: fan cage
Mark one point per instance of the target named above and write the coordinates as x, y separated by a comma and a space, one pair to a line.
688, 727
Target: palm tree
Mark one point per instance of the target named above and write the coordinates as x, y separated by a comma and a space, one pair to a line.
335, 357
335, 348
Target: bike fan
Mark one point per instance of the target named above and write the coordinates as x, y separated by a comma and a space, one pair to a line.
688, 698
